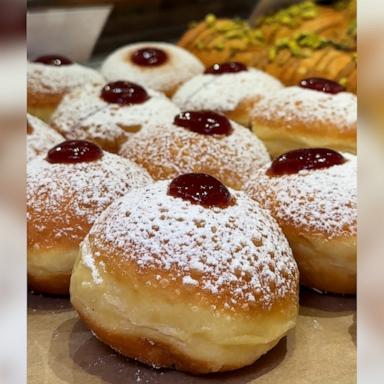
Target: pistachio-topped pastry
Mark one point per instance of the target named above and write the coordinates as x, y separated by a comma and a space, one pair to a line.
303, 40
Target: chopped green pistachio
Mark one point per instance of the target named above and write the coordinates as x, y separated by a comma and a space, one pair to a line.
210, 19
199, 45
352, 28
219, 46
286, 19
294, 48
282, 43
257, 34
343, 81
233, 34
309, 14
307, 5
311, 40
295, 10
224, 26
272, 53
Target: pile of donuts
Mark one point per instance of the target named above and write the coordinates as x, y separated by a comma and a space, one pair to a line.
182, 206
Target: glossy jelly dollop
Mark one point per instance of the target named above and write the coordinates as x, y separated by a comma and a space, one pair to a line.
202, 189
74, 151
322, 85
204, 122
304, 159
124, 93
54, 60
229, 67
149, 57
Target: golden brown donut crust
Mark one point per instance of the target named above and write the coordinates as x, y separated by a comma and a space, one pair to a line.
47, 85
295, 118
318, 214
168, 151
63, 200
200, 316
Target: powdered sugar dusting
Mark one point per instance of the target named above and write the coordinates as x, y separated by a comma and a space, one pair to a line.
169, 150
180, 67
224, 92
237, 254
324, 200
51, 79
42, 138
294, 104
65, 199
84, 115
89, 262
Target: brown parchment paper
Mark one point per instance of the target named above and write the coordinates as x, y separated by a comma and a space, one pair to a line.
321, 350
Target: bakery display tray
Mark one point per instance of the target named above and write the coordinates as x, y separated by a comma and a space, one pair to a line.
320, 350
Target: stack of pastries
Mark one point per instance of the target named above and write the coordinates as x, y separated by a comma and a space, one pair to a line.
177, 204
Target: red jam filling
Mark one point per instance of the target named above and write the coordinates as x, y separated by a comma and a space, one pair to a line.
55, 60
149, 57
322, 85
299, 159
204, 122
74, 151
202, 189
229, 67
124, 93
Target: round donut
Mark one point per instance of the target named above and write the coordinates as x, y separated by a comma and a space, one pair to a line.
63, 201
40, 137
232, 93
173, 283
84, 114
317, 211
48, 82
160, 66
296, 117
170, 150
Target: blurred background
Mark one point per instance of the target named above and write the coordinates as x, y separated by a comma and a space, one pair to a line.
132, 20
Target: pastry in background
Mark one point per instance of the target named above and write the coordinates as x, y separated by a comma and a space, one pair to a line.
109, 114
66, 191
312, 194
316, 113
51, 77
230, 88
40, 137
299, 41
187, 274
160, 66
198, 141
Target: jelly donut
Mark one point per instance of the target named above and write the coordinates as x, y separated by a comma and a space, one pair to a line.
40, 137
66, 191
159, 66
317, 113
187, 274
198, 141
312, 194
51, 77
109, 114
230, 88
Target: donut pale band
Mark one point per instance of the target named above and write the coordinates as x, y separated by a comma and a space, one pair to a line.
63, 201
317, 210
